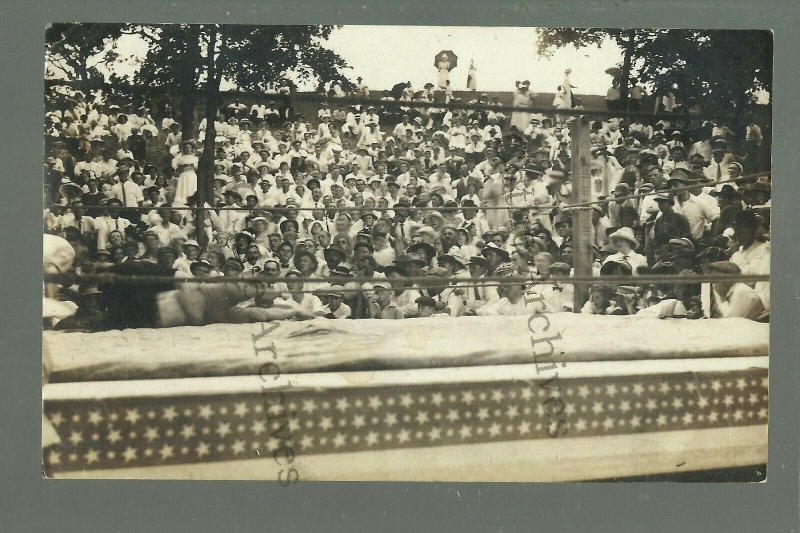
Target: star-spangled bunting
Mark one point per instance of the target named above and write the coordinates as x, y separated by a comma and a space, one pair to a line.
106, 434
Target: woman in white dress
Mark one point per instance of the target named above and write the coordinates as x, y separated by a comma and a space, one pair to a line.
567, 85
522, 98
185, 163
493, 198
444, 71
472, 84
559, 100
458, 134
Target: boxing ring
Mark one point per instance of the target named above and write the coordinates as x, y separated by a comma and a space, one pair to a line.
427, 399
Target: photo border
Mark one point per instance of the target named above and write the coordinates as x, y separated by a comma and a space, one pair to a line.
31, 503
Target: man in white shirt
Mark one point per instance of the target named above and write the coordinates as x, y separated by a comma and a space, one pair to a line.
370, 135
334, 308
400, 130
697, 212
636, 94
281, 157
111, 221
126, 191
718, 169
734, 299
513, 303
258, 110
558, 297
271, 113
492, 130
76, 218
166, 230
232, 219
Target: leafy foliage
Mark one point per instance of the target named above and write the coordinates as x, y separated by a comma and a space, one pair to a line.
71, 50
723, 67
189, 60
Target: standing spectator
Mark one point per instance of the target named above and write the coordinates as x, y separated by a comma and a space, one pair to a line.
569, 98
443, 66
472, 82
752, 146
127, 192
635, 95
668, 224
185, 164
613, 96
523, 97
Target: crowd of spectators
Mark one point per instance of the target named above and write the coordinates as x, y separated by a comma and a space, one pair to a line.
445, 197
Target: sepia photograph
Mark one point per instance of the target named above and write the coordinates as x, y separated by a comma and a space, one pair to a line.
405, 253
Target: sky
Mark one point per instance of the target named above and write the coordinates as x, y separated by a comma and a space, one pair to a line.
386, 55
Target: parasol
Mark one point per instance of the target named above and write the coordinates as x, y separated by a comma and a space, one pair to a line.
449, 56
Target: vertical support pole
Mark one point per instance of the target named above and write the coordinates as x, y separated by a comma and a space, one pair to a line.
581, 178
200, 213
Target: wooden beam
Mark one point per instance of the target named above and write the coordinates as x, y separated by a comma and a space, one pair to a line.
581, 177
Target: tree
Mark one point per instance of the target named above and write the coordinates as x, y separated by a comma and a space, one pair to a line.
192, 61
630, 41
73, 51
724, 67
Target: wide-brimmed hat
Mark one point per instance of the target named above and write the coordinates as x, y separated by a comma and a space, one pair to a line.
426, 230
300, 253
626, 234
493, 247
680, 251
341, 271
726, 191
532, 168
70, 189
232, 262
428, 249
607, 249
451, 258
410, 258
478, 260
678, 177
334, 248
199, 263
284, 225
625, 290
759, 186
682, 242
232, 192
244, 233
609, 265
562, 221
723, 267
425, 301
662, 196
